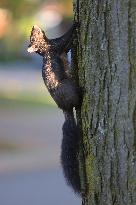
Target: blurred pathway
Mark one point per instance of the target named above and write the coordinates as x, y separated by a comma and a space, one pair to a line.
36, 188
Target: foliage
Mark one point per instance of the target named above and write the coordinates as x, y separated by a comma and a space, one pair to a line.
19, 8
22, 14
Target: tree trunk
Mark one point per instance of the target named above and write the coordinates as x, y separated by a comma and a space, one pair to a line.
106, 53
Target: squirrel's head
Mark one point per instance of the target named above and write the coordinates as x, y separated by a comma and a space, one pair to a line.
38, 41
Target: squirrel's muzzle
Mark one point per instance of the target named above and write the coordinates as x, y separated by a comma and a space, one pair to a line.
32, 49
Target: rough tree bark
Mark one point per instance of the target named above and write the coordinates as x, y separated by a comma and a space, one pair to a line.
106, 53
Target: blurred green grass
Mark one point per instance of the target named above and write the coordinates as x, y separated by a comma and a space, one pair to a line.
6, 146
26, 99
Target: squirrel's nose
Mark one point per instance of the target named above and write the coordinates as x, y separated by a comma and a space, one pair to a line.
32, 49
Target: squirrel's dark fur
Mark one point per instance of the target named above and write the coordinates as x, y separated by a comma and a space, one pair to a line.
64, 92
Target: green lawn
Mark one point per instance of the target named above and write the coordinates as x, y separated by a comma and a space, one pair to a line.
26, 99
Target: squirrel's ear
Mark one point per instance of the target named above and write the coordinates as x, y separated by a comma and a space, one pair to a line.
35, 27
37, 31
32, 49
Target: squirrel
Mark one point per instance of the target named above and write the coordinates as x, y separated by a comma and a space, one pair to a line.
65, 93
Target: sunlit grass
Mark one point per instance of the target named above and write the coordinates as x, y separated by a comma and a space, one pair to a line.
26, 98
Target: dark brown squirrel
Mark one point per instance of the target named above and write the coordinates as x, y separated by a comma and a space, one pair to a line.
65, 93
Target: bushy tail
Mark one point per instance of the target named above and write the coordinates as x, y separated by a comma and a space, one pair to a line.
69, 154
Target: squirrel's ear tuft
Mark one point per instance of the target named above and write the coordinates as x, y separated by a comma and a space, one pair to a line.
36, 27
32, 49
36, 30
